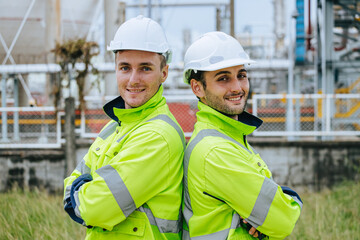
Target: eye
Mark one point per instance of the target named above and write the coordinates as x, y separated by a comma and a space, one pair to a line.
242, 76
222, 79
146, 69
124, 68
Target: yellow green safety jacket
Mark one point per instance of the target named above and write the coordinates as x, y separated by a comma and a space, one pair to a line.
226, 180
136, 169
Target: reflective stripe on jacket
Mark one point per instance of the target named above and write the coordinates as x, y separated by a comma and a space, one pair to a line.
224, 178
136, 165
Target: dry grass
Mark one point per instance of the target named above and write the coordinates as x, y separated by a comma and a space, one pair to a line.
35, 215
330, 215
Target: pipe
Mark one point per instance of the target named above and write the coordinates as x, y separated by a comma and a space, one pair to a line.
16, 113
26, 88
19, 31
308, 39
30, 68
4, 113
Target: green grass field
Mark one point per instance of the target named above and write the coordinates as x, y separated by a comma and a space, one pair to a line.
329, 215
35, 215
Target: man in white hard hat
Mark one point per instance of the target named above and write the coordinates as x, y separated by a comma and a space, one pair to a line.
129, 184
229, 191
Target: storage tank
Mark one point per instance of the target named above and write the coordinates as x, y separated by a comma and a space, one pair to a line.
47, 21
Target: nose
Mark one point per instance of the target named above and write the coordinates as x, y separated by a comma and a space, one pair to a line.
235, 85
134, 78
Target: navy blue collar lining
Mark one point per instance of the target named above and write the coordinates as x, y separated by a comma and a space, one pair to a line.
115, 103
249, 119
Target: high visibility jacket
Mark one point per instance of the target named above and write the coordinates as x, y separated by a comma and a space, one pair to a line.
225, 179
136, 166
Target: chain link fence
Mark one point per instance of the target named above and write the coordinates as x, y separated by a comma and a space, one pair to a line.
308, 114
93, 119
283, 115
30, 127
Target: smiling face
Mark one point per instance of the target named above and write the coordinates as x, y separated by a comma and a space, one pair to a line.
139, 75
226, 90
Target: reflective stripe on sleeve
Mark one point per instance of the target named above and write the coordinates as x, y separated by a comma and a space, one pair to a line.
104, 134
118, 189
77, 201
167, 119
296, 199
114, 180
83, 168
263, 203
164, 225
67, 193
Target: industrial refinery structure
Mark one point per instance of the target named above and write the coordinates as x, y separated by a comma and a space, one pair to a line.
305, 84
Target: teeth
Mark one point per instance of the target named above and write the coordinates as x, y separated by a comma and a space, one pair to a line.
135, 90
234, 99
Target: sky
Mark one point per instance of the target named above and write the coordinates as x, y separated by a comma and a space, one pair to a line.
256, 13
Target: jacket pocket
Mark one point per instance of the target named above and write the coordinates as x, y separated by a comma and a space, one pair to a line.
131, 227
97, 153
261, 166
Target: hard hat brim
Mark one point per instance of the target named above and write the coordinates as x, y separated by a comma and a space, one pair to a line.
167, 53
226, 64
217, 66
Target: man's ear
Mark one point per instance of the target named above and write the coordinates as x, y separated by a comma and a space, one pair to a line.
197, 88
164, 73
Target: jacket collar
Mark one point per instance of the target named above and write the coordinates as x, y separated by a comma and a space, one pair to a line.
246, 122
115, 109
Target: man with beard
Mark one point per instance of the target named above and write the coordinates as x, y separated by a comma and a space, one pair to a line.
229, 191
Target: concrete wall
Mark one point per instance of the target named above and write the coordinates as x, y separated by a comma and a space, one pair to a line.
301, 165
32, 168
311, 165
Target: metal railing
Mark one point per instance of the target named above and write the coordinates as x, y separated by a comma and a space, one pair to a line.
297, 115
308, 114
93, 119
30, 127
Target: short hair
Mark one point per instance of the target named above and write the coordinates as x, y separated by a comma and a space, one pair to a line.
162, 61
198, 76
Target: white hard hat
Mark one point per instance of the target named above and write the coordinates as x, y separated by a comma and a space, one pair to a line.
141, 33
214, 51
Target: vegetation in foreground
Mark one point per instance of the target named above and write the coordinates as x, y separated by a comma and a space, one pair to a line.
35, 215
330, 215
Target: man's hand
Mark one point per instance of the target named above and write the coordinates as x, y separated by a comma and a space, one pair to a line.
252, 231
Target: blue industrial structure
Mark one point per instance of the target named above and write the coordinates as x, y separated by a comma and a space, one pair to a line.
300, 48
